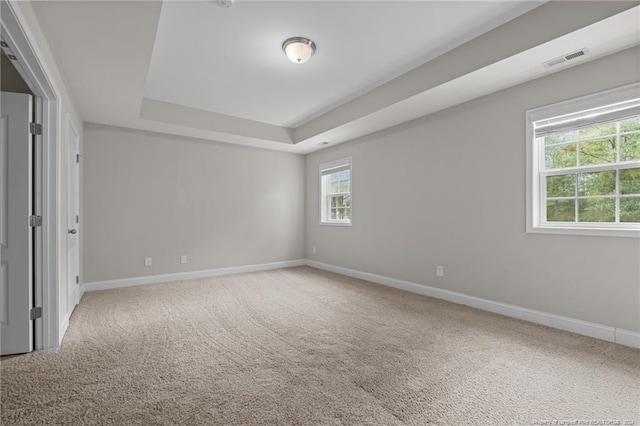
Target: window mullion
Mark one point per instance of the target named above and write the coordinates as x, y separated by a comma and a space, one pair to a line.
543, 196
617, 142
578, 150
575, 195
618, 172
617, 220
594, 168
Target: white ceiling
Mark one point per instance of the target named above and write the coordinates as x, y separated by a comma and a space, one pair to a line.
230, 61
104, 49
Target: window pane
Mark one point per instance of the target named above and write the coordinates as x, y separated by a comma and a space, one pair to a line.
630, 125
347, 200
561, 186
597, 210
563, 137
630, 181
333, 202
347, 213
598, 151
334, 213
560, 156
595, 131
630, 147
561, 211
339, 182
597, 183
630, 209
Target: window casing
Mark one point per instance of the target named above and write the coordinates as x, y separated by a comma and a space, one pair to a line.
583, 165
335, 193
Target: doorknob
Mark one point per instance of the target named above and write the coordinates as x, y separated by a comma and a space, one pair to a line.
73, 231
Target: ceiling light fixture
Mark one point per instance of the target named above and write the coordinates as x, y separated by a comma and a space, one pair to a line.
298, 49
225, 3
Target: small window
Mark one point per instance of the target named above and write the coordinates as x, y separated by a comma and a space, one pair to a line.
584, 165
335, 192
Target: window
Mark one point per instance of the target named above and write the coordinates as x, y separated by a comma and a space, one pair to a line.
583, 159
335, 192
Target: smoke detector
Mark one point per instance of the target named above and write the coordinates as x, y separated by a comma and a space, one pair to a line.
564, 58
225, 3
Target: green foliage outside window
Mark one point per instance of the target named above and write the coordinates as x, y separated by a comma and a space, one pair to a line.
340, 203
591, 196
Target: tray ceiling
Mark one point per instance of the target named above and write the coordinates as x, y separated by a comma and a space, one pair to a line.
195, 70
229, 60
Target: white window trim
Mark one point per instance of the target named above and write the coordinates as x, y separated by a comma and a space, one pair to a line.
323, 198
534, 163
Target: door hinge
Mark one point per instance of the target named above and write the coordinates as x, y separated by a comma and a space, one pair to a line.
35, 313
35, 128
77, 158
35, 220
77, 279
77, 219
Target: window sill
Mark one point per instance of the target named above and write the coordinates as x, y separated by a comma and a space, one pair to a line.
629, 232
335, 223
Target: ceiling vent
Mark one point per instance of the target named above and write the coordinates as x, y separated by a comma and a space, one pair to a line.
564, 58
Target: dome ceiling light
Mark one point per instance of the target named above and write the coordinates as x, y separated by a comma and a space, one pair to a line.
298, 49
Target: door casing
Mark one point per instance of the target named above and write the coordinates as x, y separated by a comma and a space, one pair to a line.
73, 215
30, 63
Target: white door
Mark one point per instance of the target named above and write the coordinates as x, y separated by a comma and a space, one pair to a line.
16, 287
73, 217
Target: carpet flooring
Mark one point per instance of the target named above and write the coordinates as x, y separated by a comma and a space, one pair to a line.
300, 346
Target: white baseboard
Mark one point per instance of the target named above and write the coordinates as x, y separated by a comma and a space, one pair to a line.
154, 279
627, 338
63, 329
598, 331
585, 328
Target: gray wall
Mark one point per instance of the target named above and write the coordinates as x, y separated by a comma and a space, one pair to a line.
449, 189
161, 196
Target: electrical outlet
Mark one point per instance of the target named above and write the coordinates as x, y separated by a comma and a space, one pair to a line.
147, 261
440, 271
183, 259
314, 249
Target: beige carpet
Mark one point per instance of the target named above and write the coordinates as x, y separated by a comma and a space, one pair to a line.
301, 346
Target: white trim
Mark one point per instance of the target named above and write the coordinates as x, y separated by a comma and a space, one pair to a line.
584, 103
534, 165
34, 70
628, 338
324, 207
346, 161
598, 331
585, 328
154, 279
63, 329
73, 172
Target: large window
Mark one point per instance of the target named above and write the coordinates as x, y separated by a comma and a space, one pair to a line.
584, 165
335, 192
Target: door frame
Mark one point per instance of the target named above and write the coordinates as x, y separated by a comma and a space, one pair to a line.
73, 173
33, 69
